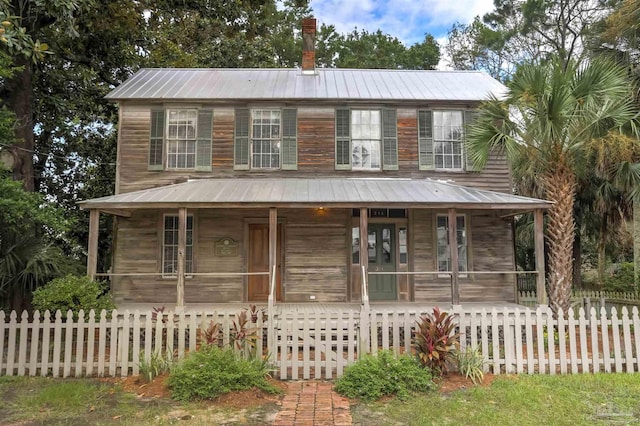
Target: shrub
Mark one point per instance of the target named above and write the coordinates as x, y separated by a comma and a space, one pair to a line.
436, 340
621, 280
156, 366
374, 376
213, 371
73, 293
470, 364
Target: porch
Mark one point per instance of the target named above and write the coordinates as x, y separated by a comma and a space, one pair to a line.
337, 244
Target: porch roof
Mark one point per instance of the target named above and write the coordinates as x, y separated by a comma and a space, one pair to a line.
318, 192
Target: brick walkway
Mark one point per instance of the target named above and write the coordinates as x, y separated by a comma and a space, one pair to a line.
314, 404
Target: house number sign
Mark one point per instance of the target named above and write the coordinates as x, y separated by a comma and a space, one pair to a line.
226, 247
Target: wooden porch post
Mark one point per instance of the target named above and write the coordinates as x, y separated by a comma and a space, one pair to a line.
273, 240
182, 256
364, 239
92, 249
365, 336
538, 221
453, 253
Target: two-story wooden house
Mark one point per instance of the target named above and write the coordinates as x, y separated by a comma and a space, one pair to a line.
305, 184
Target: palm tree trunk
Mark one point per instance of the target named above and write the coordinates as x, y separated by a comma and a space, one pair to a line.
560, 186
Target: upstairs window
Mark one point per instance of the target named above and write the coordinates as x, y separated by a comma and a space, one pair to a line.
266, 138
441, 140
447, 139
366, 134
366, 139
180, 139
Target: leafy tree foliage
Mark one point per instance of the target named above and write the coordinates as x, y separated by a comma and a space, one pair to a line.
525, 31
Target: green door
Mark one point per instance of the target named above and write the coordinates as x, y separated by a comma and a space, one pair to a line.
382, 258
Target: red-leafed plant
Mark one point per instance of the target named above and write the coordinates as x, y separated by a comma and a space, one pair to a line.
243, 335
435, 340
209, 335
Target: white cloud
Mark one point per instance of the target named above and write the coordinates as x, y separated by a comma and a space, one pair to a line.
408, 20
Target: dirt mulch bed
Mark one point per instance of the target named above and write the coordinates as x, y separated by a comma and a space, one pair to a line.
234, 400
455, 381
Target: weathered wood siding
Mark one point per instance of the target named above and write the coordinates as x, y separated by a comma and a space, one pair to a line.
316, 151
490, 248
314, 254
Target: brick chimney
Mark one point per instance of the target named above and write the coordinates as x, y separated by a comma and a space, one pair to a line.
309, 46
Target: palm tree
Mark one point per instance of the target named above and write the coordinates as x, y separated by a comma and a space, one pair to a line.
545, 124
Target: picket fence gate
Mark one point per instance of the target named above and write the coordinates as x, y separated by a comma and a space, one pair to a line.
317, 344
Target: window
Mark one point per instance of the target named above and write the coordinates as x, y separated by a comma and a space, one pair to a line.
447, 139
442, 230
265, 138
365, 140
181, 138
170, 246
441, 140
402, 245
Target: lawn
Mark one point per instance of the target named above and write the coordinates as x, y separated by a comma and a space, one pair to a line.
38, 400
523, 400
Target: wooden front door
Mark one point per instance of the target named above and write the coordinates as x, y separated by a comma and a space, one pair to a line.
382, 258
258, 290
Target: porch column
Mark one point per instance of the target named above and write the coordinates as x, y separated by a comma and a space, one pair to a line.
364, 339
273, 239
182, 251
453, 253
92, 249
538, 222
364, 240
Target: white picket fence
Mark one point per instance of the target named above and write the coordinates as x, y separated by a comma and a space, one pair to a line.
103, 345
320, 345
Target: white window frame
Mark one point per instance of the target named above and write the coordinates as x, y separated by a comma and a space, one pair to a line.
369, 138
439, 139
463, 247
189, 261
270, 139
185, 146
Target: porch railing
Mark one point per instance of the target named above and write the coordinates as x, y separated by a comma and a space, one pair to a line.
449, 274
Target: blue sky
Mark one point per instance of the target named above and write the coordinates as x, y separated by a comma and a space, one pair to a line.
408, 20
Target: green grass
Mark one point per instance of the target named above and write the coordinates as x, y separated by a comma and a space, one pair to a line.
525, 400
67, 402
49, 401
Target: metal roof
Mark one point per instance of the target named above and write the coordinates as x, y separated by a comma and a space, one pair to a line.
327, 192
291, 84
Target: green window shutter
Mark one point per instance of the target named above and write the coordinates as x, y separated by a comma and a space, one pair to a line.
241, 142
389, 139
289, 151
469, 118
426, 159
203, 143
156, 141
343, 139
